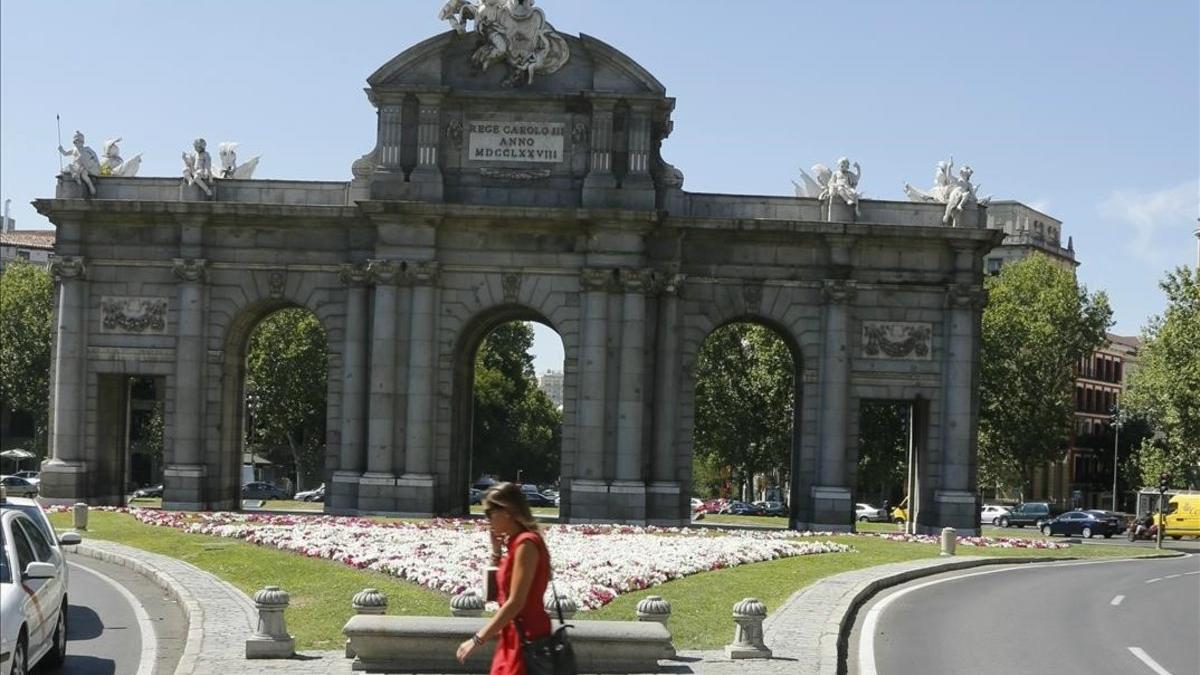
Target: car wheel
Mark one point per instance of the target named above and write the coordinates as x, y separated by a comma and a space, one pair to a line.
1004, 522
898, 521
862, 519
995, 522
1108, 535
20, 657
1087, 533
1046, 530
1177, 537
58, 648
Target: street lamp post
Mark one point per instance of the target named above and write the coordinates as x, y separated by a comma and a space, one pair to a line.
1117, 421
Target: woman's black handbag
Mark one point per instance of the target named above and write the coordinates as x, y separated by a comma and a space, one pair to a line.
551, 655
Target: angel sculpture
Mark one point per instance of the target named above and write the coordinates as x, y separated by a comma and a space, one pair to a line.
230, 168
956, 192
84, 163
197, 167
111, 163
942, 182
841, 183
458, 13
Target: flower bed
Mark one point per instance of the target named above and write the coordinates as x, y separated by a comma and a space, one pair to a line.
980, 542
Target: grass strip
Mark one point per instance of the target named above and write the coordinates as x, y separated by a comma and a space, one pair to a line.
701, 604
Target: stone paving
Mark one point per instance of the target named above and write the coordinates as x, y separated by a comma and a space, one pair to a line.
803, 633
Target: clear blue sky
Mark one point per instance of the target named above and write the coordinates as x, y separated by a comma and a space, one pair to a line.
1087, 110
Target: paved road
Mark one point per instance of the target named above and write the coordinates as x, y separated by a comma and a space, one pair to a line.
1092, 618
118, 623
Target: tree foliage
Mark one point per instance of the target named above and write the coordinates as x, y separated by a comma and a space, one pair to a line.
882, 449
745, 400
1037, 325
516, 425
286, 382
26, 328
1165, 387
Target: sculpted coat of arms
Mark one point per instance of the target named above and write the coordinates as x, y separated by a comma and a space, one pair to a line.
510, 31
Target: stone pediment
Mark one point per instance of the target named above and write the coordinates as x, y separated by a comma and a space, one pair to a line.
444, 62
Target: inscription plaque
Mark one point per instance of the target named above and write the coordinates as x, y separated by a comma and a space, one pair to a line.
492, 141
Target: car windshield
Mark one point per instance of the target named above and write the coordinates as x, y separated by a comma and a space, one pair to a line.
35, 514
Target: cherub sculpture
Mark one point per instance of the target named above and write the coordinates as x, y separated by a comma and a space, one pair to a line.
197, 166
84, 163
230, 168
956, 192
841, 183
111, 163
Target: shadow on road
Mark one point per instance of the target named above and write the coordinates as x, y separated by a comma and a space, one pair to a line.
83, 623
81, 665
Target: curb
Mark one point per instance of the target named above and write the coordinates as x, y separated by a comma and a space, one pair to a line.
866, 591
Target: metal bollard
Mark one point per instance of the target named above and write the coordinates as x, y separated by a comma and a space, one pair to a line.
468, 604
748, 615
80, 513
949, 540
654, 608
566, 603
271, 639
367, 601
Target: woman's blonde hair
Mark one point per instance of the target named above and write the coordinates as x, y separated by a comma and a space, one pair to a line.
508, 496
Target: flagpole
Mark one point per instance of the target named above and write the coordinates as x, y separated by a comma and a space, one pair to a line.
58, 121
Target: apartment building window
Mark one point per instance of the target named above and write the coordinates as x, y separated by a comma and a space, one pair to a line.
993, 266
23, 254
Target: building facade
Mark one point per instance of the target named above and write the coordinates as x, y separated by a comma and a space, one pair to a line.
32, 246
1026, 230
551, 382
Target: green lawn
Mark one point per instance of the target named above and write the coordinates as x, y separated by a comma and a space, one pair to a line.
321, 590
271, 505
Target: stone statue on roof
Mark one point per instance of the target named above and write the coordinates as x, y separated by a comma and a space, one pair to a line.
111, 163
956, 192
84, 163
840, 183
227, 151
510, 31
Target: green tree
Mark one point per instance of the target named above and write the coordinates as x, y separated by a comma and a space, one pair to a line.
745, 397
1037, 325
286, 382
26, 327
516, 425
882, 450
1165, 387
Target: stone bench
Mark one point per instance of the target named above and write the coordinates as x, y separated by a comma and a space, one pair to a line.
412, 644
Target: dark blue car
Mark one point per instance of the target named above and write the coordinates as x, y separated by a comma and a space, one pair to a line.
1084, 523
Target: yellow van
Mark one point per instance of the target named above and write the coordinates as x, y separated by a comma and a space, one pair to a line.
1183, 516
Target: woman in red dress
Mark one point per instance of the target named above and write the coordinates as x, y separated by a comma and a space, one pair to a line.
521, 581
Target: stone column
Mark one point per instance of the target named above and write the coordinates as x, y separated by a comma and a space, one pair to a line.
391, 132
344, 490
600, 176
637, 185
588, 488
64, 475
955, 497
831, 497
417, 484
376, 489
184, 476
428, 173
664, 501
630, 483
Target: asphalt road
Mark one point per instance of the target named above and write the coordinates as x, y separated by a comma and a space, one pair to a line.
1090, 618
118, 623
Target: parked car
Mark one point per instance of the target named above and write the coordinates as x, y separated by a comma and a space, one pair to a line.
771, 508
1085, 523
474, 496
317, 495
33, 588
260, 490
1029, 513
866, 513
19, 487
1122, 519
990, 514
715, 505
899, 513
736, 508
538, 499
34, 477
148, 492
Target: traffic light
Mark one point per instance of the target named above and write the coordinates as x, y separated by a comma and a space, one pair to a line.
1164, 481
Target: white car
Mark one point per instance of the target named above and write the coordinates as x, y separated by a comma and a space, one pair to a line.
990, 514
33, 588
865, 512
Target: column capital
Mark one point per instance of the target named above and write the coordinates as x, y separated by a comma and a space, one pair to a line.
355, 275
598, 278
966, 296
839, 291
422, 273
669, 283
382, 272
637, 280
68, 267
191, 270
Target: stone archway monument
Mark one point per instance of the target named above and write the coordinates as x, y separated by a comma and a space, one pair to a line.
517, 175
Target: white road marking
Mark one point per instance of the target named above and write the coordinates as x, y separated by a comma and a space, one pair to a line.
1154, 580
149, 636
1188, 574
866, 639
1151, 663
1117, 600
1172, 576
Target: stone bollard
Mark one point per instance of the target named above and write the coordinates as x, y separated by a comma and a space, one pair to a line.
367, 601
566, 603
654, 608
468, 604
271, 639
749, 615
80, 513
949, 541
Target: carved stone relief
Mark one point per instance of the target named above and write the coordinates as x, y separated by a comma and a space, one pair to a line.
139, 316
897, 340
515, 174
277, 282
512, 286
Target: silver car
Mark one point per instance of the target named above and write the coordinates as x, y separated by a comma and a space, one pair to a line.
866, 513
